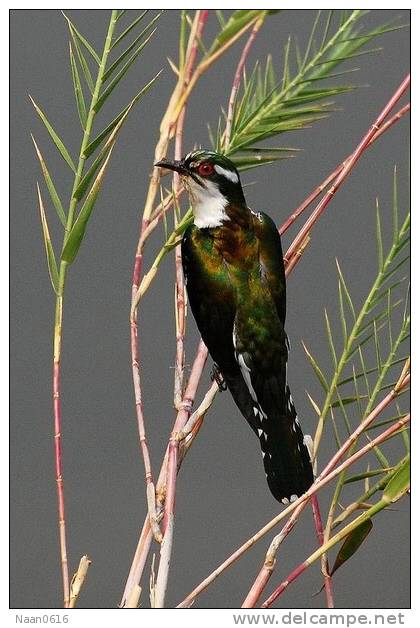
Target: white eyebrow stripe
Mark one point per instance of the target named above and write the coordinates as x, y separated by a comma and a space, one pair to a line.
232, 176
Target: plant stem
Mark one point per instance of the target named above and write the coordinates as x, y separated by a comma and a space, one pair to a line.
342, 534
357, 153
319, 189
58, 322
321, 539
237, 79
328, 474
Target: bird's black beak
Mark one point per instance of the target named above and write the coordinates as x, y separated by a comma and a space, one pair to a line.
177, 166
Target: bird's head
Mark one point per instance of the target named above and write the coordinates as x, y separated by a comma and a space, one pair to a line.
212, 182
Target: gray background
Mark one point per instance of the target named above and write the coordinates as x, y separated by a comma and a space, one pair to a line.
222, 496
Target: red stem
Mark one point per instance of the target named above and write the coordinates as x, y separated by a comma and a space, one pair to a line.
328, 474
59, 481
301, 568
349, 165
320, 534
237, 78
320, 188
181, 419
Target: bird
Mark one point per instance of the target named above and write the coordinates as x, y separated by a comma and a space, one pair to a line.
234, 273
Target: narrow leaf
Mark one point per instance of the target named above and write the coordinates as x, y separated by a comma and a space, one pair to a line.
55, 138
344, 401
83, 63
399, 484
379, 238
352, 543
52, 264
330, 338
342, 313
51, 187
129, 28
82, 39
238, 20
317, 370
89, 175
77, 233
367, 474
127, 51
111, 86
103, 134
78, 92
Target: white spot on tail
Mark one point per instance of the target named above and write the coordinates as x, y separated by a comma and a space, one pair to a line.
309, 444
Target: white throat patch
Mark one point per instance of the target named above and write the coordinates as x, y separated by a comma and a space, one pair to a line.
208, 204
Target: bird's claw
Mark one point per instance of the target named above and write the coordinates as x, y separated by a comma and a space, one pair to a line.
217, 377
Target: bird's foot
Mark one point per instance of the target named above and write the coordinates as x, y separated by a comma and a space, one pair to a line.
217, 377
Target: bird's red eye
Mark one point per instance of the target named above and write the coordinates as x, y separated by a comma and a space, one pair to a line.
205, 169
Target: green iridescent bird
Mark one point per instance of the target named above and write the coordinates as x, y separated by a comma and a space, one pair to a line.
234, 271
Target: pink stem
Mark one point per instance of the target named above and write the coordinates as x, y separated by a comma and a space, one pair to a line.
347, 168
301, 568
237, 78
59, 481
320, 534
318, 190
181, 419
326, 476
135, 361
267, 569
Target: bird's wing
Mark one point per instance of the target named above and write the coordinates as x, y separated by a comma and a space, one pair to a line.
261, 350
271, 260
212, 301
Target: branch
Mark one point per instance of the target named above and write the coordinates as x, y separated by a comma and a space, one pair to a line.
344, 532
347, 168
237, 79
319, 189
328, 474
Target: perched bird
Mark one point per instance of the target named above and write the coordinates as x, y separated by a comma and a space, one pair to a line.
234, 272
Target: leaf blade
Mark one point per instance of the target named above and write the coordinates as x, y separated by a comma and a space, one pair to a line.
49, 250
50, 185
55, 138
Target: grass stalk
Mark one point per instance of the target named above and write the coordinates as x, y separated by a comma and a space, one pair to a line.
58, 322
349, 165
329, 473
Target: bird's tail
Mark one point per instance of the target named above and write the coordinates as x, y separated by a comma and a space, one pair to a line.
286, 455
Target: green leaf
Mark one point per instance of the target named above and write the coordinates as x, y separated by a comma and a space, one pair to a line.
89, 175
342, 313
368, 372
330, 338
78, 92
111, 86
399, 484
129, 28
379, 238
395, 207
49, 250
77, 233
103, 134
317, 370
352, 543
345, 401
82, 39
83, 63
51, 187
345, 290
366, 474
55, 138
238, 20
127, 51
